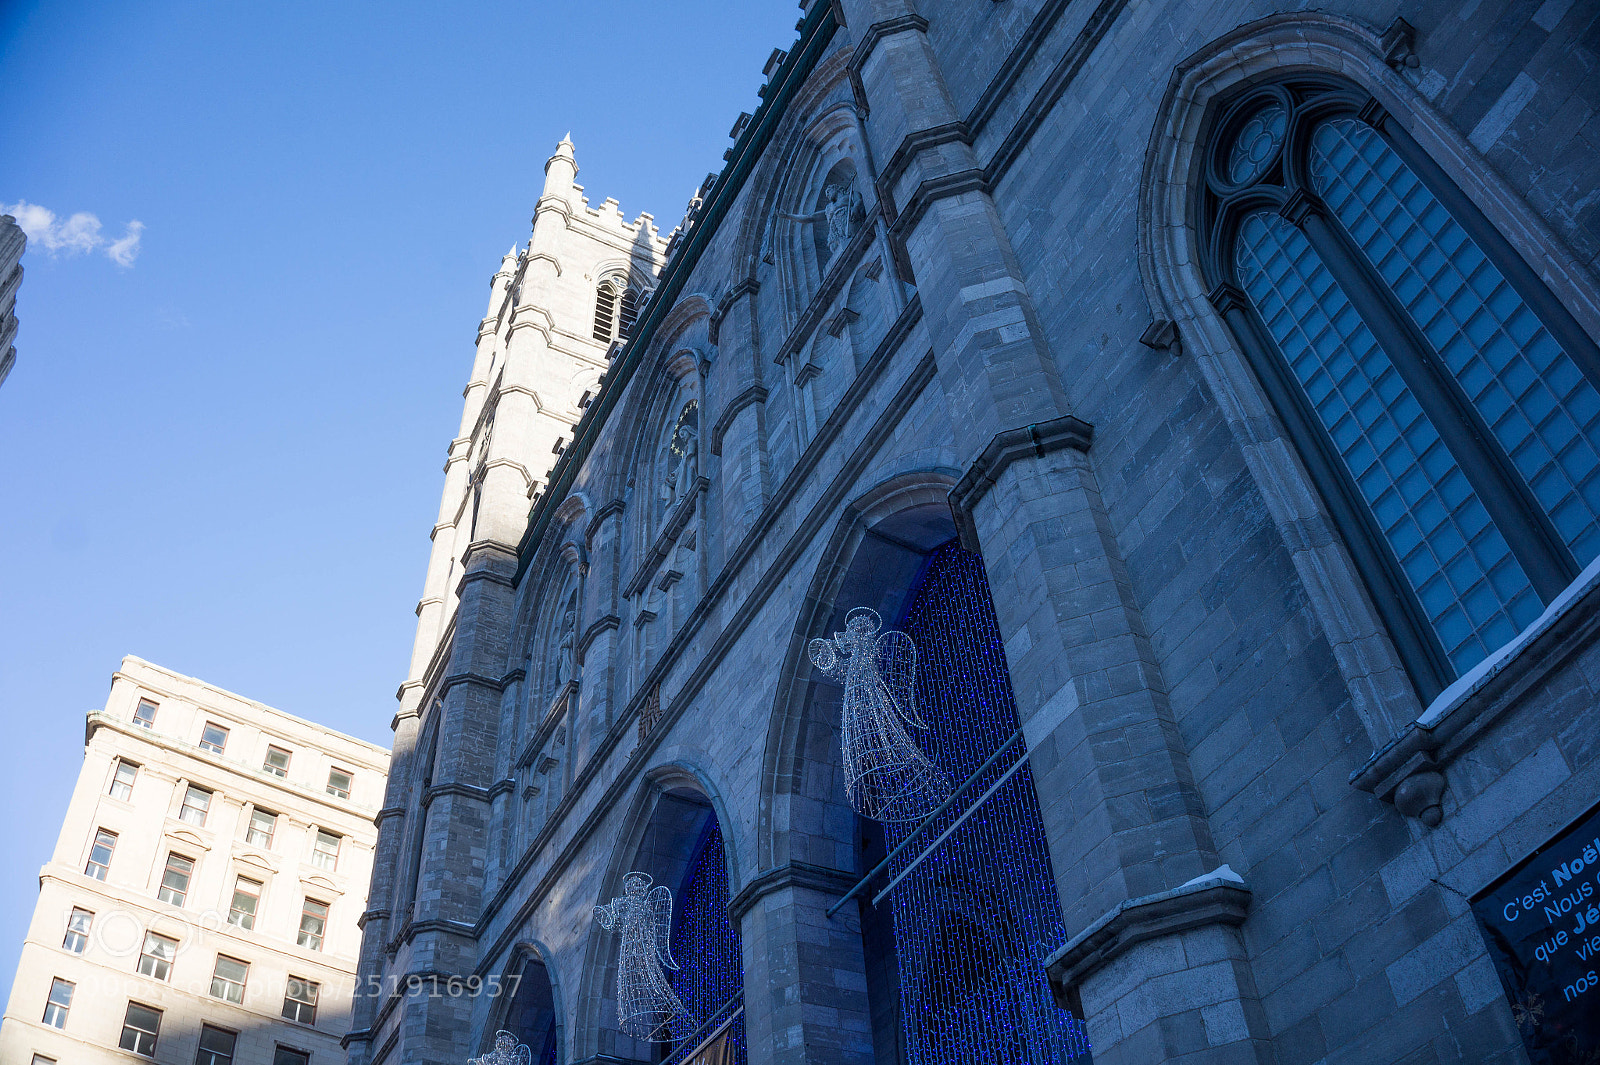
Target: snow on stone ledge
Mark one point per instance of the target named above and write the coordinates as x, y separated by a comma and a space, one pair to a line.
1480, 674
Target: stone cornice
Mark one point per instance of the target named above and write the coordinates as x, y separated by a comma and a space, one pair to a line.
915, 142
753, 394
1009, 445
478, 679
748, 287
615, 507
1210, 900
609, 621
930, 192
547, 257
874, 34
1458, 720
795, 874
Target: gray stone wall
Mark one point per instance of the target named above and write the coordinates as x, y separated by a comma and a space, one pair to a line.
1198, 668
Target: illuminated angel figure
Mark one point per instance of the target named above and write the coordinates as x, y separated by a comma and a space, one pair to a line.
507, 1051
646, 1004
886, 775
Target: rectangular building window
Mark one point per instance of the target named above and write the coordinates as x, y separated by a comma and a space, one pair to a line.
216, 1046
277, 762
262, 826
59, 1003
288, 1056
145, 713
313, 924
246, 897
77, 937
325, 854
122, 780
155, 959
140, 1028
40, 1059
339, 783
300, 1000
175, 880
227, 980
100, 854
196, 803
213, 738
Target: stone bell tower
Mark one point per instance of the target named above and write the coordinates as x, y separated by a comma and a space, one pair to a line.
540, 352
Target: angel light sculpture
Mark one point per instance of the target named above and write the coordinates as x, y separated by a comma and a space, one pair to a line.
886, 775
646, 1004
507, 1051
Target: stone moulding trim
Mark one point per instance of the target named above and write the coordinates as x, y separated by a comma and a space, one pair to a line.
795, 874
1009, 445
917, 141
682, 511
371, 915
841, 270
765, 584
479, 679
931, 192
386, 814
1213, 900
1408, 770
466, 791
748, 287
875, 33
592, 633
753, 394
616, 506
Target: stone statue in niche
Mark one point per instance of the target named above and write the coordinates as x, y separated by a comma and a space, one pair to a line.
682, 458
564, 657
840, 216
647, 1007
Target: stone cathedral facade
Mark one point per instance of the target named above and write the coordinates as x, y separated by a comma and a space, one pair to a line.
1209, 391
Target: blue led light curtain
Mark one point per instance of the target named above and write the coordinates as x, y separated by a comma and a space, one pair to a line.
707, 946
974, 920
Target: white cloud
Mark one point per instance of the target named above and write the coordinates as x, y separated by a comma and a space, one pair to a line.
75, 235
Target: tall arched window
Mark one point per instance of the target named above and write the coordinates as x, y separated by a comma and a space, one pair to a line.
1444, 401
616, 307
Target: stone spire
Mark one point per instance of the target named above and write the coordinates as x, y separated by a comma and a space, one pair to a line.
561, 171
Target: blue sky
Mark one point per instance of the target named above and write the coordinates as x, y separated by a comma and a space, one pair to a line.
224, 456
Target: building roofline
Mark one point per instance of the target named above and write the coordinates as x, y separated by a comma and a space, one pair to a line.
255, 704
816, 30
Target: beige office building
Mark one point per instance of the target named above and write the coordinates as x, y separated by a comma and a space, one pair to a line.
201, 906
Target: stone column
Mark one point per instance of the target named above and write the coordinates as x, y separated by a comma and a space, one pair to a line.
805, 982
1121, 812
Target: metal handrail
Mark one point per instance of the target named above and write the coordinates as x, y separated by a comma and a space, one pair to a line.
696, 1042
861, 884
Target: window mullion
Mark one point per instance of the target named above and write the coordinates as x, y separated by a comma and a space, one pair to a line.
1544, 557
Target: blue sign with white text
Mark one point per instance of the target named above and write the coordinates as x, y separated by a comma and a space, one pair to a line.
1541, 921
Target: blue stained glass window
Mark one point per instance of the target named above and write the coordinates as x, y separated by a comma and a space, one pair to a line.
1538, 404
974, 920
708, 947
1471, 587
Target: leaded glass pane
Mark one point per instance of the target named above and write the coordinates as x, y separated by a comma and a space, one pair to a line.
1471, 587
1257, 144
1539, 405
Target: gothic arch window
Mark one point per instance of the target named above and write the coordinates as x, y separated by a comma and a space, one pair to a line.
616, 308
1444, 401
